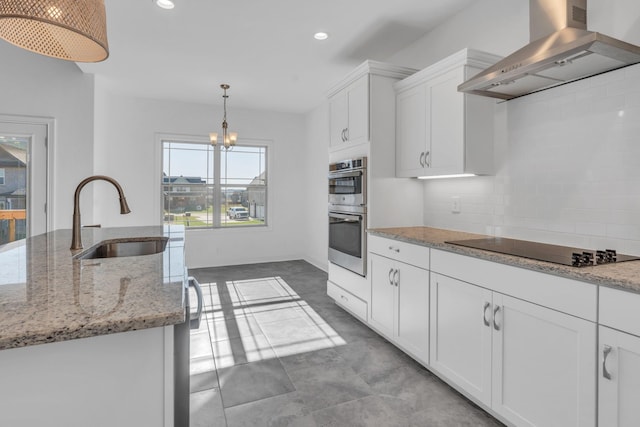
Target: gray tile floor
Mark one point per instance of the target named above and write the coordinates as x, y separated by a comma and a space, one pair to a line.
274, 350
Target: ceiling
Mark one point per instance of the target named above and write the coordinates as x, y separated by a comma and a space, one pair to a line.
264, 49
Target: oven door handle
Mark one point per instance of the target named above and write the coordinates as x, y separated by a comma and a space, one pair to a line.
346, 218
345, 174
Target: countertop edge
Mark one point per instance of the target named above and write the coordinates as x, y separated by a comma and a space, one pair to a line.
89, 331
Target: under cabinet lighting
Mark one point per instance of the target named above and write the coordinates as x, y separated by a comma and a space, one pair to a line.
460, 175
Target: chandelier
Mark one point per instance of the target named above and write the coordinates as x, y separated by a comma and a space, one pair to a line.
228, 138
74, 30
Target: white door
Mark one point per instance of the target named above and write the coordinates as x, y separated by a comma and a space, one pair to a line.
461, 334
412, 307
338, 118
23, 146
358, 106
447, 124
619, 379
382, 294
543, 366
411, 131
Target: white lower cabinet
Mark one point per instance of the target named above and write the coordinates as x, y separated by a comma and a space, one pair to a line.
619, 357
123, 379
618, 379
543, 365
531, 365
461, 334
400, 304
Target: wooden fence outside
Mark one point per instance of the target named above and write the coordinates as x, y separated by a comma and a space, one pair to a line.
13, 225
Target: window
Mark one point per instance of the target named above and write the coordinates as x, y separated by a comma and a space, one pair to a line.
1, 176
207, 187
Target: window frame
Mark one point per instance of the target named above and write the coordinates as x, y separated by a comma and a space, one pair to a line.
218, 154
2, 176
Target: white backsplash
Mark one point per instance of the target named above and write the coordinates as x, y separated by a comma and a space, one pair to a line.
567, 169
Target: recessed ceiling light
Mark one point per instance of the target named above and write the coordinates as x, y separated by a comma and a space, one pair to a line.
165, 4
321, 36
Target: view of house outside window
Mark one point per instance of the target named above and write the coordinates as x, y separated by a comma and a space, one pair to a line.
210, 187
13, 185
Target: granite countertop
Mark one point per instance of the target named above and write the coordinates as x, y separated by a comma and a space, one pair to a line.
624, 275
47, 296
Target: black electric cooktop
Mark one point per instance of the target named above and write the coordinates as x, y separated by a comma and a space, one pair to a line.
564, 255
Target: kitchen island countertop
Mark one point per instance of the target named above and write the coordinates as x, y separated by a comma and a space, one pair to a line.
624, 275
48, 296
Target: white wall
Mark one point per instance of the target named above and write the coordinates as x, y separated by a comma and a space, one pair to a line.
317, 160
34, 85
126, 149
567, 169
495, 26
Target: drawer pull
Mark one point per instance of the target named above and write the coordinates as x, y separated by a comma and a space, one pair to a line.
396, 250
344, 298
605, 353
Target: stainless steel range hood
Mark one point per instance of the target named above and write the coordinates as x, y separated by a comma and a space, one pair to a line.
562, 50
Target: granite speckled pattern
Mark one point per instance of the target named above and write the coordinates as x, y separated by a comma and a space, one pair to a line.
46, 295
624, 275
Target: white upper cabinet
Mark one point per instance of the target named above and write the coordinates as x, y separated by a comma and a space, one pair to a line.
350, 113
350, 102
440, 131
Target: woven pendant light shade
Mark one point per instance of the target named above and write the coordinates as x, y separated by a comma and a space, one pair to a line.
75, 30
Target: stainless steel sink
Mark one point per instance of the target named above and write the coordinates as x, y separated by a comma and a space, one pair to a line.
136, 246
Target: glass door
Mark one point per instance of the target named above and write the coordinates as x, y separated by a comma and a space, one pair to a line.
23, 180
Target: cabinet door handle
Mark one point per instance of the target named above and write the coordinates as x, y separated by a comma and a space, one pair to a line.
342, 135
396, 277
426, 159
605, 353
487, 321
390, 278
496, 310
346, 134
422, 159
397, 250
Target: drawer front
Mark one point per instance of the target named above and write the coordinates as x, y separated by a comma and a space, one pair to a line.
569, 296
350, 281
620, 310
347, 300
401, 251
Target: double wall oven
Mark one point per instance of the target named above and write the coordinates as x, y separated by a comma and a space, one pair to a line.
348, 214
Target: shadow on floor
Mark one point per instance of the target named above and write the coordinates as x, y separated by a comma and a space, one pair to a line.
274, 350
